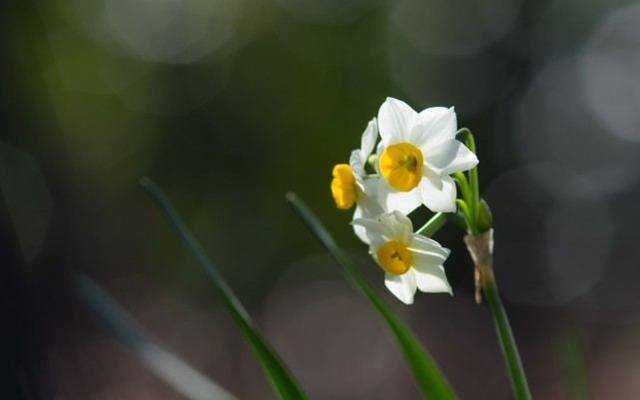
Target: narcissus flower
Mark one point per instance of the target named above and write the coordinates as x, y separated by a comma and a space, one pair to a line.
351, 186
409, 260
416, 154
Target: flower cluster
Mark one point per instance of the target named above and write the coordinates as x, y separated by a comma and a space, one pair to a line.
412, 166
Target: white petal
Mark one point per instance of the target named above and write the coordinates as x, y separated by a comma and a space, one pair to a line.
449, 157
428, 258
367, 206
368, 197
357, 163
369, 186
399, 225
376, 232
439, 200
434, 126
405, 202
432, 176
358, 229
379, 150
432, 279
368, 140
402, 286
395, 118
424, 245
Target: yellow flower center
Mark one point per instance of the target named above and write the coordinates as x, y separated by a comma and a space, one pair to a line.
401, 166
395, 258
343, 186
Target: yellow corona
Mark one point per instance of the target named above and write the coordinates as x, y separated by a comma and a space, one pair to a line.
394, 257
401, 166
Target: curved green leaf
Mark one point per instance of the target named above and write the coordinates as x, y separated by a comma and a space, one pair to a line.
176, 373
281, 378
430, 379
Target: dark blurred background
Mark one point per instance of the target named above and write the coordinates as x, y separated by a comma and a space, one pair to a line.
229, 104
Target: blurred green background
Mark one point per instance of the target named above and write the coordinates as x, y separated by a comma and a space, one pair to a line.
229, 104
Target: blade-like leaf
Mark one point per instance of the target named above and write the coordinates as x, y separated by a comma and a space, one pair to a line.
281, 378
172, 370
430, 379
571, 351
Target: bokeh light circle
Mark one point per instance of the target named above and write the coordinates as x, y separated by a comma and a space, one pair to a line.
470, 83
173, 31
551, 246
611, 73
454, 27
552, 123
324, 329
327, 11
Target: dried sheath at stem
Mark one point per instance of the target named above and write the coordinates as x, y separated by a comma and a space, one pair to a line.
481, 249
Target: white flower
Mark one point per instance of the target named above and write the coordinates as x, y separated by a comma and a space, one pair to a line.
416, 155
350, 184
409, 260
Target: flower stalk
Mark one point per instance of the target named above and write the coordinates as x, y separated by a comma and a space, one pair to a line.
433, 225
479, 242
481, 250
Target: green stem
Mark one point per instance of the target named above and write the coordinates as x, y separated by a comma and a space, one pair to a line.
507, 341
468, 196
464, 210
473, 187
464, 132
480, 248
433, 225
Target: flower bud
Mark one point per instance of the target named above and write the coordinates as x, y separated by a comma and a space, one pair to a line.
485, 218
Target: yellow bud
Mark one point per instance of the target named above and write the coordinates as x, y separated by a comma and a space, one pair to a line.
343, 186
